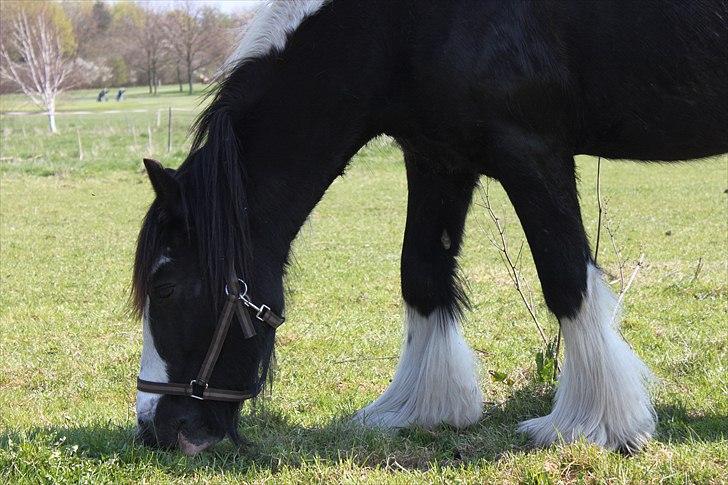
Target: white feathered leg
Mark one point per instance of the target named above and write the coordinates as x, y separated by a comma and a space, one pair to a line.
601, 393
436, 380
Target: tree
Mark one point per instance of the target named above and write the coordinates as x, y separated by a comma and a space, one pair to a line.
197, 38
141, 30
101, 16
151, 42
34, 50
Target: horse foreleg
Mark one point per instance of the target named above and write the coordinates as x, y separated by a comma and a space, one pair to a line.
436, 380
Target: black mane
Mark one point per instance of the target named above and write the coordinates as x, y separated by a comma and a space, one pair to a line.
215, 203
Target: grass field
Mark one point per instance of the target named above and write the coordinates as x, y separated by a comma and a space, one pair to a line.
69, 353
96, 140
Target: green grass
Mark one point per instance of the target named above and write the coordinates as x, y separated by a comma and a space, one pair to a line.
108, 141
69, 352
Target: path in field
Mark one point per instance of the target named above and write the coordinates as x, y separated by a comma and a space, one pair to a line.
111, 111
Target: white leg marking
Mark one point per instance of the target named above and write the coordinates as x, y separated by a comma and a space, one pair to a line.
436, 380
153, 369
602, 393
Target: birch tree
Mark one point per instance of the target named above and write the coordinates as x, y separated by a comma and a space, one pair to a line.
34, 59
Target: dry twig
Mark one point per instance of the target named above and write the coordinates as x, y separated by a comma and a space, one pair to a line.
599, 207
511, 264
638, 266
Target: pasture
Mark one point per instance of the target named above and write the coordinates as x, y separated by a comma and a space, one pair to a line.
70, 352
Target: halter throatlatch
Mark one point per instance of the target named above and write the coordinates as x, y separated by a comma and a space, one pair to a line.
237, 303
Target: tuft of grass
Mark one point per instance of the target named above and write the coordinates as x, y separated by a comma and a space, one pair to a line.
70, 353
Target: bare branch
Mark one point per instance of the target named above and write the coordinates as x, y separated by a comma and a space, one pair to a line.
511, 264
196, 38
697, 270
599, 206
38, 66
638, 266
620, 260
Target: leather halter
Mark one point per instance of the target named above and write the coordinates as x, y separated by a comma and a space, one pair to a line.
238, 303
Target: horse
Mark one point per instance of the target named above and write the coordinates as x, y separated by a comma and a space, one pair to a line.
468, 88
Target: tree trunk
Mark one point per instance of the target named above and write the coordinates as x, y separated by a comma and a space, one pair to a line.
179, 79
150, 70
189, 79
52, 116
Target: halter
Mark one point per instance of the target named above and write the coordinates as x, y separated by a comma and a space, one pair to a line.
238, 302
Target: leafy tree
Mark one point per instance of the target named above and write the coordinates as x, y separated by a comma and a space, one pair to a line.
119, 71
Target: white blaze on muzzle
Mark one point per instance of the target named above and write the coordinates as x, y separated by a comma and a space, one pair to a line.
153, 368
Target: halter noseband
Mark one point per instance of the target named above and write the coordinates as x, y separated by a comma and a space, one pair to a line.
237, 303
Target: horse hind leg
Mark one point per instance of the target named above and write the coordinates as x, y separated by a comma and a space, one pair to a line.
436, 380
601, 394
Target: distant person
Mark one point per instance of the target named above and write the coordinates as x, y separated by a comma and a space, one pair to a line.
120, 94
103, 95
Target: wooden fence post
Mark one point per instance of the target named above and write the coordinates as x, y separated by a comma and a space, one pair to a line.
80, 148
149, 140
169, 131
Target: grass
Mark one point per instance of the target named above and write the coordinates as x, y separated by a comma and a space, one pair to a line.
135, 98
70, 353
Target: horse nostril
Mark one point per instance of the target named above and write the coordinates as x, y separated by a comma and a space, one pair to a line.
181, 423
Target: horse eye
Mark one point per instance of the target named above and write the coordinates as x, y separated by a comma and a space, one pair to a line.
164, 291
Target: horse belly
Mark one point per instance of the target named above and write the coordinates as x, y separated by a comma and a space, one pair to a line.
668, 129
652, 79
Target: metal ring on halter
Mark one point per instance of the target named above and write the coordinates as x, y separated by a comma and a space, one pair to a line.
241, 295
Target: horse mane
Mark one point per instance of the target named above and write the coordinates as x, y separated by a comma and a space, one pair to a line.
214, 204
216, 198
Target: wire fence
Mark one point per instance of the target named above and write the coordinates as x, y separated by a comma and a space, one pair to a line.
94, 139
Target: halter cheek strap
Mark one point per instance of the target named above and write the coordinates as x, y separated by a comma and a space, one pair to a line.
238, 302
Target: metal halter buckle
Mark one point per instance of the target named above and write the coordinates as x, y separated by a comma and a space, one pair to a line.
193, 385
262, 312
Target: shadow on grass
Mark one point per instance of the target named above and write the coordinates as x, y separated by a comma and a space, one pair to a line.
277, 442
677, 424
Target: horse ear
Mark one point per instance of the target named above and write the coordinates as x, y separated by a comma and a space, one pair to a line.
165, 185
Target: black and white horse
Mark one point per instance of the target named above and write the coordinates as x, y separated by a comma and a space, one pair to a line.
507, 89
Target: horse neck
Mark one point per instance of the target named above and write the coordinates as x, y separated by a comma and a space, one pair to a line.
289, 166
315, 112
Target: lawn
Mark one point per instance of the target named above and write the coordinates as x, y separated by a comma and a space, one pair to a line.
70, 352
